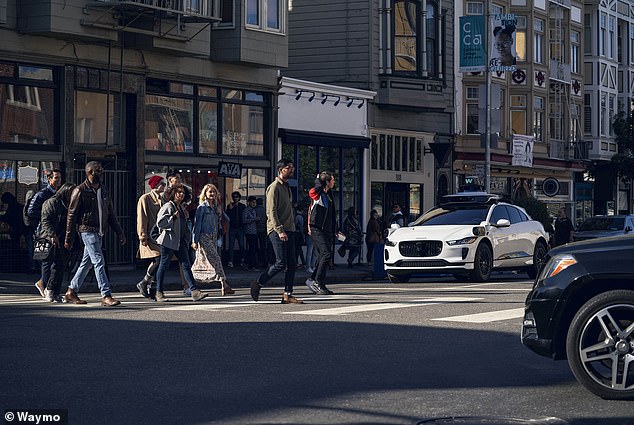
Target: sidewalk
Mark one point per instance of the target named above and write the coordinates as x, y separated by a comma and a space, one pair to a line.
124, 279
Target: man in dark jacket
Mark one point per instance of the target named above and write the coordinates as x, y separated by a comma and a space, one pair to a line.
53, 227
34, 215
90, 211
322, 225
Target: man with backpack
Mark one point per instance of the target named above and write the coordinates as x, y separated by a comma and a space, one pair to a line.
33, 216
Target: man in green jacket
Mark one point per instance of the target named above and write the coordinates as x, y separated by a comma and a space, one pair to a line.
280, 226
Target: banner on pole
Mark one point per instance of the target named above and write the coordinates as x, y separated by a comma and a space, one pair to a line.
473, 55
523, 150
502, 52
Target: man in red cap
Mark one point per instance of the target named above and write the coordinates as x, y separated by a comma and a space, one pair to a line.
147, 209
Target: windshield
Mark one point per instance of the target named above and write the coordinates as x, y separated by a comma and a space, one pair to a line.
452, 216
602, 223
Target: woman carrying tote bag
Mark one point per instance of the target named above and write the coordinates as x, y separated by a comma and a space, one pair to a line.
208, 266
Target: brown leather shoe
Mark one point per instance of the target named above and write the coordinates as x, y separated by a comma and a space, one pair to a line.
108, 301
72, 298
289, 299
160, 297
255, 290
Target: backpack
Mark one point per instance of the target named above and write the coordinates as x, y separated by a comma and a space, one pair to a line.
28, 221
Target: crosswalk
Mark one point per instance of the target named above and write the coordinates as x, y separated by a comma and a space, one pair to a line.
357, 300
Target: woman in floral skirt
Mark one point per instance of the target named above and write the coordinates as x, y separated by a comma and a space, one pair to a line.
207, 225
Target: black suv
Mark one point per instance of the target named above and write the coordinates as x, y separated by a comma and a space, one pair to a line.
581, 308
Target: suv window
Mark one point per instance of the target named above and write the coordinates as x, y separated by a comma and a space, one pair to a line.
499, 212
441, 216
515, 215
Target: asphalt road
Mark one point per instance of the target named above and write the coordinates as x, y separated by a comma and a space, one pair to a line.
374, 353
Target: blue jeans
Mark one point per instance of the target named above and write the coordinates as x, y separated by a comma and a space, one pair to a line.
92, 254
235, 233
285, 259
183, 259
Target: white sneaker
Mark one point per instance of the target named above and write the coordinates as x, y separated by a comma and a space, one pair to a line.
311, 284
310, 270
48, 295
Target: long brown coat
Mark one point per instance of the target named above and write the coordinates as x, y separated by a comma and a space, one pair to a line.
146, 211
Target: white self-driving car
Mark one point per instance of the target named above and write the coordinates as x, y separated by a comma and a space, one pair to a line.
467, 235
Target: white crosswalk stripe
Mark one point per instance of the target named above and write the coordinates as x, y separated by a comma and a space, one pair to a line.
491, 316
382, 306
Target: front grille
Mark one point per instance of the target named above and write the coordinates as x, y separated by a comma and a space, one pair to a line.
420, 248
425, 263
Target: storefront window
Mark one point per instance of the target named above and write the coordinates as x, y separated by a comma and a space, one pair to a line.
243, 130
17, 179
27, 114
91, 116
208, 127
168, 124
350, 183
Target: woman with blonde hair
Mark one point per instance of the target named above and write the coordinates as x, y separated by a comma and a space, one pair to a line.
207, 226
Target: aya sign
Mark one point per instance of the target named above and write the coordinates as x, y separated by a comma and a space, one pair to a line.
232, 170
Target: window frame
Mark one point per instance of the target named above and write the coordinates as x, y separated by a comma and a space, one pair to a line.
262, 8
421, 41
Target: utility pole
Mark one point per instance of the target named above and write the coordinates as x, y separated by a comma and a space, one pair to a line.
487, 134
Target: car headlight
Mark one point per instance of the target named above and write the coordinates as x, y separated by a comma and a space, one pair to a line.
557, 264
389, 242
463, 241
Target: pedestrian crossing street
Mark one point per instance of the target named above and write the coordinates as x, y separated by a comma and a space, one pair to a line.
350, 300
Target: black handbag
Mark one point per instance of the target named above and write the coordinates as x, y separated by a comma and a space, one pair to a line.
42, 249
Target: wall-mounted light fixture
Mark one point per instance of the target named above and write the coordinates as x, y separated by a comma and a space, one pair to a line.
299, 94
350, 102
325, 98
312, 97
360, 105
337, 101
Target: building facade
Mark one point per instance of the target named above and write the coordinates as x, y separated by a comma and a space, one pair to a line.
403, 50
608, 89
143, 86
540, 100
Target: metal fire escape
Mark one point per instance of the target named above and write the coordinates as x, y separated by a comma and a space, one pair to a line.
166, 18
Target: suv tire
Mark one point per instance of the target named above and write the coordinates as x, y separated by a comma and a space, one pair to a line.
598, 330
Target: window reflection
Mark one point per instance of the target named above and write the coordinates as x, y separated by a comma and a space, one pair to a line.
208, 127
91, 115
243, 130
26, 114
168, 124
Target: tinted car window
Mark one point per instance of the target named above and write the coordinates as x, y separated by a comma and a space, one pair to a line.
523, 214
602, 223
441, 216
514, 213
499, 212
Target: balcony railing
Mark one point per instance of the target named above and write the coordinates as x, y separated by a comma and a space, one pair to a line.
562, 149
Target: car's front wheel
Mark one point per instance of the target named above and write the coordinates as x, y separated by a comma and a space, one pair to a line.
539, 256
600, 345
398, 278
482, 263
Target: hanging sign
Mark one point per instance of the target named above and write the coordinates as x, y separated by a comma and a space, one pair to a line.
233, 170
523, 150
502, 53
473, 52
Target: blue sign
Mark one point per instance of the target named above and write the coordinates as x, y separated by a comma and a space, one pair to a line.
473, 52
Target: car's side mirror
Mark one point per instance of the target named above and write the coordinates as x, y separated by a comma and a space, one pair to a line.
503, 223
